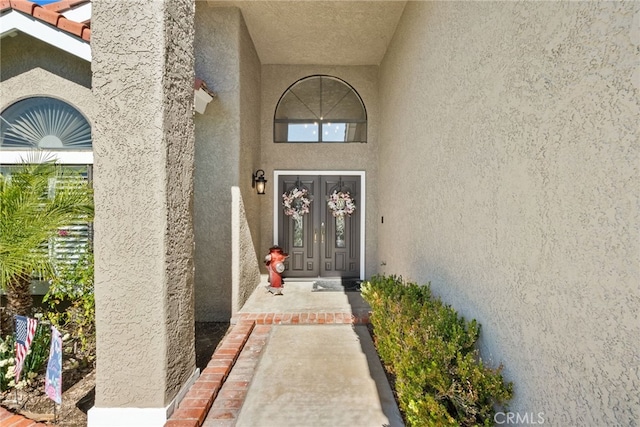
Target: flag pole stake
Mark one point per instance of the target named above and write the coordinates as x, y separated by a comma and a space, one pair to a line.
15, 344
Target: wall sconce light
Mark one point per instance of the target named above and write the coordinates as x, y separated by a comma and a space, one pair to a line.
258, 182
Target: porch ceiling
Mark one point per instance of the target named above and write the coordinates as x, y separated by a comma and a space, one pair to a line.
319, 32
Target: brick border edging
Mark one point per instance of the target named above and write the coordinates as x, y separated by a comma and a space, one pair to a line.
10, 419
230, 399
193, 409
304, 318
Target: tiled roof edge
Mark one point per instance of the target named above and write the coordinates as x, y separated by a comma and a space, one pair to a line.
63, 5
50, 15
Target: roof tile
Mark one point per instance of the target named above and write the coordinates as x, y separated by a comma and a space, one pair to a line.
23, 6
62, 5
73, 3
50, 14
57, 6
86, 34
73, 27
46, 15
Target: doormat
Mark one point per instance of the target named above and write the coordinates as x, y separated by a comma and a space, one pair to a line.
337, 285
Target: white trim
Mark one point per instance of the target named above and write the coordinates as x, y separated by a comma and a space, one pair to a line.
47, 33
126, 417
236, 198
16, 157
138, 417
362, 205
80, 14
175, 403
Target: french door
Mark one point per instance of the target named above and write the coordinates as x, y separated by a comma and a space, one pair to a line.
320, 244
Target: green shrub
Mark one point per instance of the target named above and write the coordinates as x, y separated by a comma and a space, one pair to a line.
430, 349
71, 301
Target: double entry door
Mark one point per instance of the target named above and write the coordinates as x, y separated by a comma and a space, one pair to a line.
319, 243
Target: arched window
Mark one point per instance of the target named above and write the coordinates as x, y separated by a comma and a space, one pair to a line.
44, 123
62, 133
320, 109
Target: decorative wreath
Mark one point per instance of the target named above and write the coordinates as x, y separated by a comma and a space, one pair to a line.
341, 203
296, 203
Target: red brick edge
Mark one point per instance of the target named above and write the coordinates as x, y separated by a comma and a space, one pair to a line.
227, 405
303, 318
195, 406
9, 419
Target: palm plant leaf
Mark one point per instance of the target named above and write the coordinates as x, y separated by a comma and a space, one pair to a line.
33, 207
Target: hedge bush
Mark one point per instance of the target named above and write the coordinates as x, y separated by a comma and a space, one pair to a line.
440, 379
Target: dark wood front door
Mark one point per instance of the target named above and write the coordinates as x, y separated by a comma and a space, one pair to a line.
320, 244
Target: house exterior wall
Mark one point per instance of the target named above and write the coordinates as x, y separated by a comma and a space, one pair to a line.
227, 149
249, 235
309, 156
509, 180
31, 67
144, 156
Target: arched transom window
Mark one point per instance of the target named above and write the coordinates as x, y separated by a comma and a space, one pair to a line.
63, 134
320, 109
45, 123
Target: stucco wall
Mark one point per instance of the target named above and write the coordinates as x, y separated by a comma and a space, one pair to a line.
245, 269
31, 67
144, 148
509, 179
353, 156
217, 158
227, 150
251, 252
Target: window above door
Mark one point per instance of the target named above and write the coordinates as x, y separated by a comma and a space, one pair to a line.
320, 109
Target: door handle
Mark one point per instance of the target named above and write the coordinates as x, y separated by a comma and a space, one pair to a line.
315, 235
322, 233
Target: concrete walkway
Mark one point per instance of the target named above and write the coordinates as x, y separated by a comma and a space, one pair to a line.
301, 359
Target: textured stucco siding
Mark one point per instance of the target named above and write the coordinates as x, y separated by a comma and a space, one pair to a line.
179, 138
227, 152
245, 272
217, 158
509, 179
144, 149
30, 67
250, 161
333, 157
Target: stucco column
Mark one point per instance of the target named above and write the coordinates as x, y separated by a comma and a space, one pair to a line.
144, 153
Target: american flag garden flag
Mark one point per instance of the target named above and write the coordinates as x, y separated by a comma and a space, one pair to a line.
25, 331
53, 381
